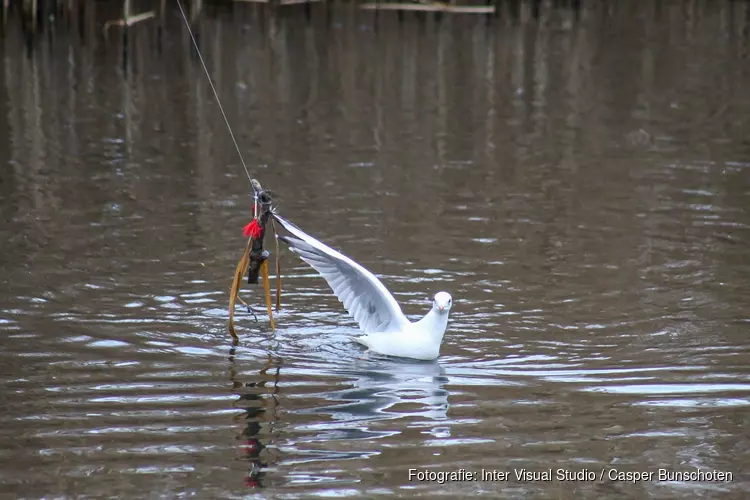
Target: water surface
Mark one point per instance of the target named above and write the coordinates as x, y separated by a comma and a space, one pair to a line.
579, 182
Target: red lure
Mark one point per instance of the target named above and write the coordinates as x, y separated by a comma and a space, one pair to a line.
253, 230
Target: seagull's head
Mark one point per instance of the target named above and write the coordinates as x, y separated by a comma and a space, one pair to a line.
443, 302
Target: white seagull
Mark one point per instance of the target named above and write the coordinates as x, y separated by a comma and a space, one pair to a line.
387, 330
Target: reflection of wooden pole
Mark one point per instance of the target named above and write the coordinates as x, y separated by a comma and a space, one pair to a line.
34, 13
495, 7
5, 12
195, 10
515, 9
162, 23
28, 15
72, 11
125, 17
442, 93
491, 98
81, 18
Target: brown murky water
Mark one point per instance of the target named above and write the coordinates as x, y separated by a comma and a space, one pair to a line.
580, 183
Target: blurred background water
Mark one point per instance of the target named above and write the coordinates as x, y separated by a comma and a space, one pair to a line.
577, 178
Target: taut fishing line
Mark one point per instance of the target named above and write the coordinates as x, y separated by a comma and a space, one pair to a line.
211, 83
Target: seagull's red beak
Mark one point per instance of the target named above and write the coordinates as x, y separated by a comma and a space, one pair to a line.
442, 308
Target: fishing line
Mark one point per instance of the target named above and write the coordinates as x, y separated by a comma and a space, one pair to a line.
216, 95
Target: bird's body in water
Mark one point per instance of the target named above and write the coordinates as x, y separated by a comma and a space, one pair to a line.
420, 340
387, 330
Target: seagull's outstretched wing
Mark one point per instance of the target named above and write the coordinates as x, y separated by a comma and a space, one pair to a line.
362, 294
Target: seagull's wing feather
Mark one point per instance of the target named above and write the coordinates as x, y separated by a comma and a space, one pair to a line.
363, 295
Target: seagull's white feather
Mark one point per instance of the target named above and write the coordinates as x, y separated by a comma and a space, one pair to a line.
363, 295
370, 303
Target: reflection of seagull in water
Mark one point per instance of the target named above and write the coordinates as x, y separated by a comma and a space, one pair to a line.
387, 330
391, 384
384, 390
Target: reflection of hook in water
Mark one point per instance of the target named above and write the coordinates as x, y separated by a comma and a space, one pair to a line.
254, 410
